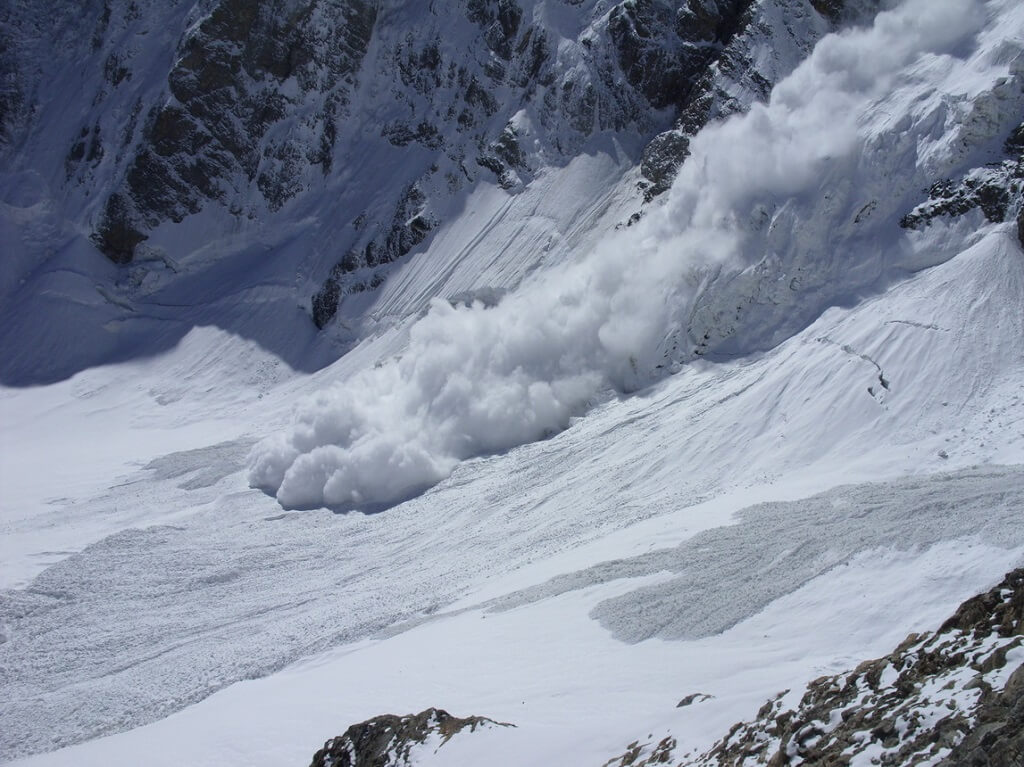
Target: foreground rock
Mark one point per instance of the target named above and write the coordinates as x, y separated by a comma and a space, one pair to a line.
392, 741
950, 698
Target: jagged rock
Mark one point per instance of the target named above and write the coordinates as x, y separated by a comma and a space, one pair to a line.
653, 57
987, 189
950, 698
388, 740
994, 189
997, 739
830, 8
729, 81
12, 98
354, 274
116, 237
228, 89
733, 75
708, 35
696, 697
242, 111
499, 20
661, 160
649, 755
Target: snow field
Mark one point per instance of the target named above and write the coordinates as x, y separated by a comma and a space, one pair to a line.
225, 587
575, 694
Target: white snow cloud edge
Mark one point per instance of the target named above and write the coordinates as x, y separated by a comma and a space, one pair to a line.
477, 380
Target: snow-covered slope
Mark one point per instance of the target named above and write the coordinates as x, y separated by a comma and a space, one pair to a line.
755, 436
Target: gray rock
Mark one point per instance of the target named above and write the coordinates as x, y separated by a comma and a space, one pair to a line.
909, 707
994, 189
387, 740
730, 76
226, 88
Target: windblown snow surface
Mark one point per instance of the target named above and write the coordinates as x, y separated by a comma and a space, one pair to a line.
583, 522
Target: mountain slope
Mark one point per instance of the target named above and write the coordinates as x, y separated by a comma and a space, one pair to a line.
286, 156
589, 464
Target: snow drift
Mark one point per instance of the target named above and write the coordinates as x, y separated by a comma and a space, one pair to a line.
478, 380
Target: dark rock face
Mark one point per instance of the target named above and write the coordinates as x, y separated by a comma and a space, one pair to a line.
661, 47
387, 740
10, 93
210, 142
712, 33
994, 189
833, 9
953, 697
730, 78
356, 272
116, 236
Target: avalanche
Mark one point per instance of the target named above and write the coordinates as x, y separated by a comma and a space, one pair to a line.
753, 438
766, 199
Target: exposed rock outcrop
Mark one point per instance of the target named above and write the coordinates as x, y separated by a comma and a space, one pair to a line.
747, 46
390, 741
241, 71
996, 189
953, 697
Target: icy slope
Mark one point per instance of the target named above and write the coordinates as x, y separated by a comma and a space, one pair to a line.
287, 156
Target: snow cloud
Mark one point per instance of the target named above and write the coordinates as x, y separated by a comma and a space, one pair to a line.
477, 380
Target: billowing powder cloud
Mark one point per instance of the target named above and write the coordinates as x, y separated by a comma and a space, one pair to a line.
478, 380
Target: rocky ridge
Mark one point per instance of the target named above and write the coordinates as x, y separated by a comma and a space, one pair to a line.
950, 698
757, 45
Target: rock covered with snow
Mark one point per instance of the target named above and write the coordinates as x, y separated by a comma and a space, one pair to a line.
996, 189
951, 697
393, 741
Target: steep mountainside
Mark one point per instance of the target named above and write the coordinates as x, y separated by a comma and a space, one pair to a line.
556, 361
211, 147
